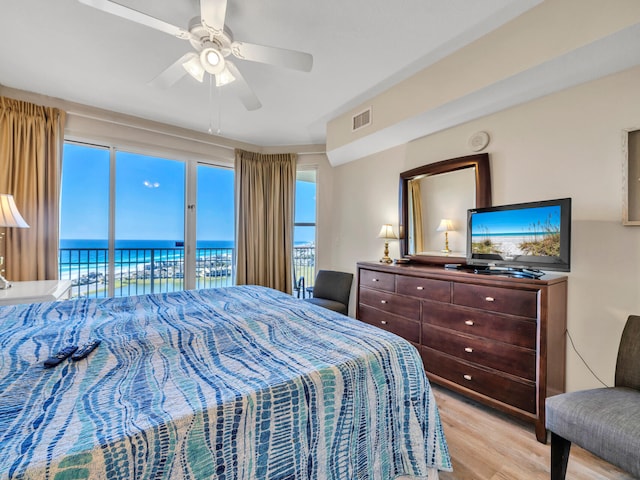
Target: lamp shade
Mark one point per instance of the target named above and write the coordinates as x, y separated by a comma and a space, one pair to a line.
445, 225
9, 214
194, 67
387, 232
224, 77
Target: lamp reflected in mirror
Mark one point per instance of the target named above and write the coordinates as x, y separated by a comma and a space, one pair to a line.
387, 233
445, 226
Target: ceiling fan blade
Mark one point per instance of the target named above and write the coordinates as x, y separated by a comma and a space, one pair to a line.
138, 17
174, 73
212, 15
243, 90
273, 56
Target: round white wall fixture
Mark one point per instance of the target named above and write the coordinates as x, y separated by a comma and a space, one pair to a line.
478, 141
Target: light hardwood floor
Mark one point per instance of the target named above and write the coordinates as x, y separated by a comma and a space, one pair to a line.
487, 445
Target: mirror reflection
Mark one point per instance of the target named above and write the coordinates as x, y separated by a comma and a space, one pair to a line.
434, 200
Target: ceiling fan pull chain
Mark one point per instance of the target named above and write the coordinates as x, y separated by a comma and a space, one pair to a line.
219, 110
211, 105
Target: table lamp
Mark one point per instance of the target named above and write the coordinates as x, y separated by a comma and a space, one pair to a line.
445, 226
386, 232
9, 217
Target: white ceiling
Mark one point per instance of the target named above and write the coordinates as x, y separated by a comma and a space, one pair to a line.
67, 50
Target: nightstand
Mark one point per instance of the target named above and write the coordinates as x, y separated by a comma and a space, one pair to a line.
36, 292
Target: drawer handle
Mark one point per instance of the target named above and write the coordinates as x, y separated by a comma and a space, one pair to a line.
419, 288
489, 299
375, 280
467, 377
383, 322
383, 301
468, 349
469, 322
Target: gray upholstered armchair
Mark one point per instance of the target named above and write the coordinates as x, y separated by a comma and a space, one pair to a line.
332, 290
604, 421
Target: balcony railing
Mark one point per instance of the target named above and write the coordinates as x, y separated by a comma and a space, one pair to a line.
157, 270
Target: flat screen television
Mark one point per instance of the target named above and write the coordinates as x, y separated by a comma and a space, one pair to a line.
521, 239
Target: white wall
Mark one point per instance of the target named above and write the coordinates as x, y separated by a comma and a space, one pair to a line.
564, 145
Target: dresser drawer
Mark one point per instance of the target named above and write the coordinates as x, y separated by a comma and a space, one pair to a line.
504, 328
512, 391
392, 303
407, 329
510, 359
378, 280
497, 299
427, 288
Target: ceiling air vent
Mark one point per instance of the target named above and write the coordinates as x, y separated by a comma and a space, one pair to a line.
361, 120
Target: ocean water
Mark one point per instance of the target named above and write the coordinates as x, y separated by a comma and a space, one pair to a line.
140, 244
79, 256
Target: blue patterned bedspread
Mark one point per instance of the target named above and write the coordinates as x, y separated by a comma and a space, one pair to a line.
227, 384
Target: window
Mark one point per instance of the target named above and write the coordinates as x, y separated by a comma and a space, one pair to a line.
304, 234
84, 219
126, 229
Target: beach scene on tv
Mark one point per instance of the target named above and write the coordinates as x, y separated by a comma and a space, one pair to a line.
508, 234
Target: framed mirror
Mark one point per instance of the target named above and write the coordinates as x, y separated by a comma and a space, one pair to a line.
434, 200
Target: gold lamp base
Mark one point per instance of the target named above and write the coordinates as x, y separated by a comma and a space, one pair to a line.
386, 258
446, 243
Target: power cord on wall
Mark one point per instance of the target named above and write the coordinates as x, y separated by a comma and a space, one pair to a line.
583, 360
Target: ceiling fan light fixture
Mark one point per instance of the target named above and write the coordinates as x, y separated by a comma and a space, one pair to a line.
225, 77
212, 60
194, 68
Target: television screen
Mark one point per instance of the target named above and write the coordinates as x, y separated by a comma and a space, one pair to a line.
535, 235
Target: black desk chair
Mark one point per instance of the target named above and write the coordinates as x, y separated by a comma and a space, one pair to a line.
332, 290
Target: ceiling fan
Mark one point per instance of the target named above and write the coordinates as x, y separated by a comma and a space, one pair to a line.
213, 43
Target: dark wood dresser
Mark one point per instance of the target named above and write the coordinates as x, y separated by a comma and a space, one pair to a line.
496, 339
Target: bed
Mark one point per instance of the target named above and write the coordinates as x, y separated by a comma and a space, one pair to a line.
231, 383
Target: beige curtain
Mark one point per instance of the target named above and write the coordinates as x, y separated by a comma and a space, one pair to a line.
416, 236
31, 139
265, 189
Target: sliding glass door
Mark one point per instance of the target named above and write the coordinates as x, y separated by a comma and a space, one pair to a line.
215, 252
149, 224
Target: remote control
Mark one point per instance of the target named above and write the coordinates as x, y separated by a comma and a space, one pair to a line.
60, 356
85, 350
453, 266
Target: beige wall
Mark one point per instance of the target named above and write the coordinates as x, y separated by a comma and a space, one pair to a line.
564, 145
546, 33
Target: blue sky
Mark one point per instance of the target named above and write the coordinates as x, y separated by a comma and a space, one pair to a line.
515, 221
150, 198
